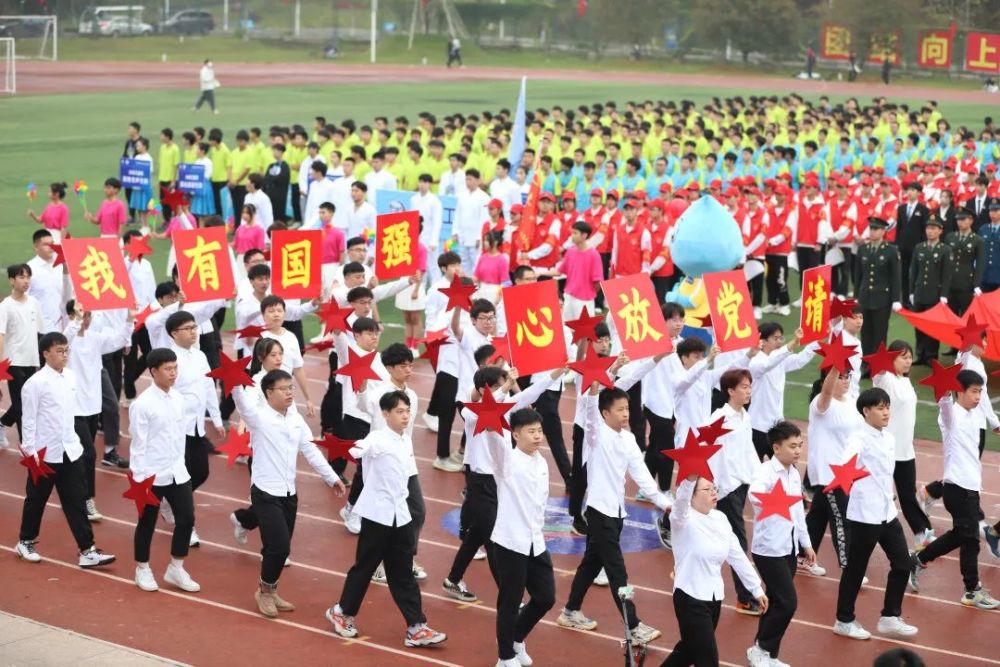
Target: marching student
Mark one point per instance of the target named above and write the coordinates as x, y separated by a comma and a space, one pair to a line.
702, 541
272, 309
385, 536
140, 273
277, 434
519, 558
20, 327
850, 328
658, 401
962, 482
769, 369
902, 421
774, 546
442, 401
159, 450
611, 452
48, 425
871, 519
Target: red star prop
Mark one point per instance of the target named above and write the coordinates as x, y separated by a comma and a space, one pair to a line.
710, 433
490, 413
706, 320
4, 370
971, 332
324, 344
432, 346
842, 307
140, 319
138, 247
459, 295
593, 367
174, 198
942, 379
692, 458
584, 327
235, 444
334, 317
141, 492
835, 354
37, 470
844, 476
776, 502
60, 257
502, 348
337, 448
358, 368
249, 331
881, 360
232, 372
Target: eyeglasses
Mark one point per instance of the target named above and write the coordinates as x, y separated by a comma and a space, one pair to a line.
190, 327
289, 389
709, 489
486, 318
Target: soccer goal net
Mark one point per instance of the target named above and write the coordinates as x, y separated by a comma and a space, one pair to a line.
37, 35
9, 83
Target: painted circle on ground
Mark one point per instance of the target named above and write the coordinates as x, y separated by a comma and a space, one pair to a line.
638, 533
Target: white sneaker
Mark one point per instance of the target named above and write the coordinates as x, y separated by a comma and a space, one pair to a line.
288, 562
480, 554
769, 308
379, 576
145, 580
239, 532
785, 311
447, 465
644, 634
921, 540
3, 437
864, 580
419, 573
575, 620
177, 576
601, 579
508, 663
521, 655
166, 513
758, 657
895, 626
26, 551
797, 303
92, 513
352, 521
852, 630
93, 557
757, 313
815, 569
431, 422
195, 541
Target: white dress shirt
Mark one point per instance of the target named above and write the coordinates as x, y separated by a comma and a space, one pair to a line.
768, 372
48, 286
960, 440
453, 183
156, 323
20, 325
522, 493
658, 388
734, 465
197, 389
477, 454
827, 437
379, 180
702, 543
357, 219
507, 191
342, 342
386, 474
429, 207
320, 192
156, 426
276, 440
471, 341
265, 212
986, 418
46, 415
872, 498
85, 361
469, 216
628, 376
903, 416
775, 536
143, 281
368, 401
693, 390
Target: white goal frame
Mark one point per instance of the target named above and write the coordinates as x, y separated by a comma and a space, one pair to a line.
49, 36
9, 51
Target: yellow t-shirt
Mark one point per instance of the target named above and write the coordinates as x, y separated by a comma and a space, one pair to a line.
168, 158
190, 156
241, 161
221, 158
294, 156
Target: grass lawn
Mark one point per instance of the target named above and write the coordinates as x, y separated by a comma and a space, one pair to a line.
70, 137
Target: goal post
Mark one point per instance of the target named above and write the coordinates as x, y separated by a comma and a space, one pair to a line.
9, 83
37, 35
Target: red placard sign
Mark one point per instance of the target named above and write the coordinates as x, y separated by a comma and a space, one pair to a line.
297, 263
729, 303
97, 268
204, 269
397, 238
636, 315
534, 327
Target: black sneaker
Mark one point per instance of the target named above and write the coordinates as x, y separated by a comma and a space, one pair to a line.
113, 460
579, 526
663, 531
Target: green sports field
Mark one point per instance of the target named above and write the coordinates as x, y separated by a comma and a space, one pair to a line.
70, 137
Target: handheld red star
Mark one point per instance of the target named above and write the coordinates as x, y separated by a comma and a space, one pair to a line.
881, 360
942, 379
358, 368
710, 433
5, 370
37, 470
334, 317
140, 318
432, 346
835, 354
584, 327
776, 502
60, 257
337, 448
174, 198
249, 331
459, 295
844, 476
141, 492
232, 373
971, 332
593, 367
491, 413
138, 247
502, 348
692, 458
235, 444
842, 307
324, 344
706, 320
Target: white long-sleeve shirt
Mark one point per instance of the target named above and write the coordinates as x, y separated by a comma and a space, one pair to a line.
357, 219
156, 426
265, 212
368, 401
47, 415
768, 372
734, 465
986, 418
379, 180
429, 207
48, 287
453, 183
197, 389
477, 455
20, 325
507, 191
903, 415
469, 216
320, 192
872, 498
775, 536
827, 436
385, 455
960, 441
85, 361
156, 323
522, 493
143, 281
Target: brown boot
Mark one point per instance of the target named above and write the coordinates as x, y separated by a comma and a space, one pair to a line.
282, 605
266, 603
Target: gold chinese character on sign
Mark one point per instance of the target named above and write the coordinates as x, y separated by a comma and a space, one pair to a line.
396, 244
934, 50
818, 297
296, 261
203, 262
635, 312
544, 336
985, 55
728, 302
836, 42
98, 276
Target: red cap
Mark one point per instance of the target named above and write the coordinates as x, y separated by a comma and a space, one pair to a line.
991, 168
731, 192
665, 187
613, 194
639, 194
495, 203
715, 184
597, 192
950, 164
866, 169
902, 167
867, 180
516, 209
879, 170
848, 169
971, 145
569, 194
693, 187
769, 182
546, 196
970, 169
630, 203
841, 182
919, 163
658, 203
785, 177
752, 191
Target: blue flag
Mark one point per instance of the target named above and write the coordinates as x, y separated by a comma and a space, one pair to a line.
517, 137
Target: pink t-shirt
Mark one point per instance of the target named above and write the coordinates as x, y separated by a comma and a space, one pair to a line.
421, 257
55, 216
179, 223
333, 244
493, 270
582, 270
248, 237
111, 216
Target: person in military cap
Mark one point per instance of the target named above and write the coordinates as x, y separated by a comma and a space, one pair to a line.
928, 283
991, 241
968, 256
877, 284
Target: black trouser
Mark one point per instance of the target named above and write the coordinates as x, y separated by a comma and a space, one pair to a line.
606, 266
808, 257
778, 574
963, 506
696, 620
475, 524
829, 508
211, 345
905, 476
756, 285
85, 428
110, 414
331, 407
662, 285
418, 509
661, 436
113, 363
875, 328
732, 506
842, 273
442, 406
636, 415
603, 551
238, 193
454, 56
196, 459
864, 537
548, 406
393, 547
275, 515
135, 365
777, 280
19, 375
761, 444
181, 499
70, 483
217, 187
927, 347
352, 428
295, 326
296, 204
206, 96
905, 258
515, 573
936, 488
578, 486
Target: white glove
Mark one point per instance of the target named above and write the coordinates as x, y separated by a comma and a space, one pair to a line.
896, 306
944, 299
977, 291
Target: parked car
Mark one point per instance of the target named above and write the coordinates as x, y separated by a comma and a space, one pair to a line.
22, 27
121, 26
189, 22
